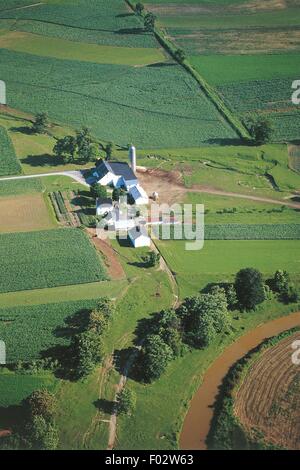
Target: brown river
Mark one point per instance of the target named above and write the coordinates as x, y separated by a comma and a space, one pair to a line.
197, 421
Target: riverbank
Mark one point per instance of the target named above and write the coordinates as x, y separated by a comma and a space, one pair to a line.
197, 422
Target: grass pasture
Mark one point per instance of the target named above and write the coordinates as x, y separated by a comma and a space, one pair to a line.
25, 213
220, 260
15, 387
9, 164
69, 50
37, 260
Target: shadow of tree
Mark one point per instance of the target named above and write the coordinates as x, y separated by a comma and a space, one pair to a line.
107, 406
130, 31
23, 130
44, 159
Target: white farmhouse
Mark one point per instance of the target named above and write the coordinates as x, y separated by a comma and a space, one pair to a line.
139, 236
138, 195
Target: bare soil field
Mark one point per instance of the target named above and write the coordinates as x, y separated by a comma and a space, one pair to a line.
24, 213
268, 401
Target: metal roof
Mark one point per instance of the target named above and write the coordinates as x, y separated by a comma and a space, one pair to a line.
138, 231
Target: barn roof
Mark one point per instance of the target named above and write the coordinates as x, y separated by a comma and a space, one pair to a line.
122, 169
137, 191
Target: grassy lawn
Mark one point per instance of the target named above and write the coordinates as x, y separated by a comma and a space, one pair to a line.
49, 259
69, 50
220, 260
92, 290
217, 69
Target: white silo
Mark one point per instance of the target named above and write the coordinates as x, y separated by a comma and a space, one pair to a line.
132, 157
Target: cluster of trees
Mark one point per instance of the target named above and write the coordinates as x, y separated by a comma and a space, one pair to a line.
40, 430
35, 428
282, 285
251, 290
195, 323
80, 148
260, 129
87, 346
200, 319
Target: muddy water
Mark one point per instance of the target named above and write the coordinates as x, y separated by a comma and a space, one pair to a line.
198, 419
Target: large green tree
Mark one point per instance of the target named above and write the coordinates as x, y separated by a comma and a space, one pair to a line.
149, 21
156, 356
98, 191
40, 402
260, 130
249, 286
87, 348
204, 317
40, 123
126, 401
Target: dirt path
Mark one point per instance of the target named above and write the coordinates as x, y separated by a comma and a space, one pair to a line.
170, 188
198, 419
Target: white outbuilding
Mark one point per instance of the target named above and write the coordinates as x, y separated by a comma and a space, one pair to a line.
139, 237
139, 195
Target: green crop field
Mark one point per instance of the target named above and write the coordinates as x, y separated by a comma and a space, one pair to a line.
24, 186
9, 164
152, 106
29, 330
249, 53
51, 258
220, 260
92, 21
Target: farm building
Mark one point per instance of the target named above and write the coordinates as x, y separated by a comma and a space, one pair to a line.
104, 206
117, 174
139, 236
138, 195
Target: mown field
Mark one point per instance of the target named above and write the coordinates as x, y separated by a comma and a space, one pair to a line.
220, 260
26, 213
9, 164
248, 50
267, 404
35, 260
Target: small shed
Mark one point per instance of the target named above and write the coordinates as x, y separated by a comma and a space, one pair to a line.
139, 195
139, 237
